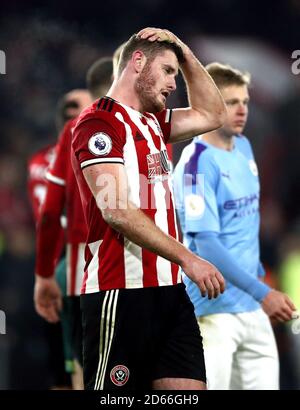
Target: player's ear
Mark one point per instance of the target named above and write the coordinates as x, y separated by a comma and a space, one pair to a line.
138, 60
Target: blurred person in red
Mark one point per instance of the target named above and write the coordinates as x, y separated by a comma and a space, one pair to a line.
62, 193
70, 105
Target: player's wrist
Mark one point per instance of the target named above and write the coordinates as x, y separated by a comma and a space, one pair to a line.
188, 55
259, 290
45, 276
186, 261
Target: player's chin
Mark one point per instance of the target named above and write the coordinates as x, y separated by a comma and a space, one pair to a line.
163, 103
159, 105
238, 129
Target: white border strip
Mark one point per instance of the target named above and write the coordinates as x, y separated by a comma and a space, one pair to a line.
101, 160
168, 116
56, 180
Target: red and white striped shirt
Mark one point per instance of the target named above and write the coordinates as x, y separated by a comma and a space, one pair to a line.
110, 132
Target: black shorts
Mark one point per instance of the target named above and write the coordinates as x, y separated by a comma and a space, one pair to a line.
72, 331
134, 336
76, 328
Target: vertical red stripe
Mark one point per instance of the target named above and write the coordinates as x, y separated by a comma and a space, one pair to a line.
169, 204
88, 257
150, 279
171, 226
149, 259
111, 261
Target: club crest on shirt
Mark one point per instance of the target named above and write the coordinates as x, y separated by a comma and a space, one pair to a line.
100, 144
253, 167
119, 375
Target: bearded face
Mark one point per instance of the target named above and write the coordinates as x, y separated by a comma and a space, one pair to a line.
146, 87
157, 81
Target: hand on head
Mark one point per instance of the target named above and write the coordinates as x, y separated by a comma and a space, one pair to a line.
157, 34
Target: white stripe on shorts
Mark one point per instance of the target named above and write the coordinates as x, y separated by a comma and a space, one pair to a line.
107, 327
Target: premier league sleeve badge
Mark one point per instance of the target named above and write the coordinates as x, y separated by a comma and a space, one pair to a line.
100, 144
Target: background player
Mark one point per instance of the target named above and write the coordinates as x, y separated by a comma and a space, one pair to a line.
63, 194
219, 218
70, 105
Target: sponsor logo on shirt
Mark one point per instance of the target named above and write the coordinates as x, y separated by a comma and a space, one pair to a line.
241, 202
245, 206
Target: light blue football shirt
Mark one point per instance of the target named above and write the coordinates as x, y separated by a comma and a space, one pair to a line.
218, 191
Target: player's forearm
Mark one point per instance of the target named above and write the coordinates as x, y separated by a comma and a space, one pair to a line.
210, 247
49, 230
204, 96
135, 225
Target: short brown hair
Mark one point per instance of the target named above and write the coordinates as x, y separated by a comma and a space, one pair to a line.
99, 77
224, 75
150, 48
116, 59
62, 114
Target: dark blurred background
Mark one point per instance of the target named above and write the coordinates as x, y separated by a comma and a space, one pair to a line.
48, 49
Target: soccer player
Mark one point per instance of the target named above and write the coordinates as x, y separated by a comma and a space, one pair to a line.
69, 106
217, 198
63, 194
140, 330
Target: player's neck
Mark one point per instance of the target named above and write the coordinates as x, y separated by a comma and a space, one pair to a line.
219, 140
123, 91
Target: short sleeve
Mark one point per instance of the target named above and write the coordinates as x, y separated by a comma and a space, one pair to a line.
57, 171
164, 120
97, 141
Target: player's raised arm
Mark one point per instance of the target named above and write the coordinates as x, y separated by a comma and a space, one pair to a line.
207, 110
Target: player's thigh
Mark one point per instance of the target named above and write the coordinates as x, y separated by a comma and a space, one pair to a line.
180, 364
257, 361
76, 328
220, 340
170, 383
